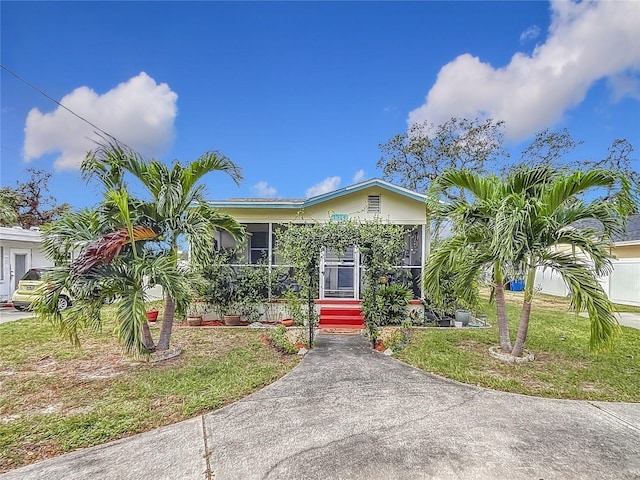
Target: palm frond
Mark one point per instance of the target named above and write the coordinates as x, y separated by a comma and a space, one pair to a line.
131, 315
481, 187
586, 294
210, 162
201, 223
108, 163
106, 248
590, 243
60, 239
569, 186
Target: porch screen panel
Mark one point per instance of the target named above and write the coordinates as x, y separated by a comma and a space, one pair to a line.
338, 281
259, 249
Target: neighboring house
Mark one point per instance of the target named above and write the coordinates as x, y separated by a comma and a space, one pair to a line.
20, 250
340, 275
623, 284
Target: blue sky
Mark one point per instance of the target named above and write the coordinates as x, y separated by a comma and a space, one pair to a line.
300, 94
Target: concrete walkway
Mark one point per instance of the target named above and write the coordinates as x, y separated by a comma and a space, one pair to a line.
348, 412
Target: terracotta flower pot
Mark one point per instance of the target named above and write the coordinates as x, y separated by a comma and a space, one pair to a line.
231, 320
381, 347
152, 315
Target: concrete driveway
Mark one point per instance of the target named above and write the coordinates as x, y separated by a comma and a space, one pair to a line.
9, 314
629, 319
348, 412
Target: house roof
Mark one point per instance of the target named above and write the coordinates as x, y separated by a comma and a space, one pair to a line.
298, 203
633, 230
19, 234
632, 234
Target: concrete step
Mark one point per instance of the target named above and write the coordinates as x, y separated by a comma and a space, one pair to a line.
340, 329
342, 320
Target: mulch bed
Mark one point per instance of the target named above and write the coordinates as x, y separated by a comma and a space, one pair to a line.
220, 323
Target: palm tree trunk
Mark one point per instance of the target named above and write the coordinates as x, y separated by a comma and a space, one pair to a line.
525, 315
167, 324
501, 309
169, 307
147, 339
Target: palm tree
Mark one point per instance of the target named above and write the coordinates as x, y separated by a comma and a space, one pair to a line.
177, 206
525, 222
118, 254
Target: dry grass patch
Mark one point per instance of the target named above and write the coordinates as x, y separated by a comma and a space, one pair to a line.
55, 398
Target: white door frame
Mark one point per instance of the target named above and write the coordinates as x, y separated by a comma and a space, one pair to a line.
13, 279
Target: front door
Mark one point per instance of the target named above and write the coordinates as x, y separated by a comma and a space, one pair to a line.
339, 274
19, 264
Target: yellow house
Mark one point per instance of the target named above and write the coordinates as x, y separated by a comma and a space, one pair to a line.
340, 275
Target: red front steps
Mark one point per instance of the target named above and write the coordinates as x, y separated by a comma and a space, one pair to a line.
341, 317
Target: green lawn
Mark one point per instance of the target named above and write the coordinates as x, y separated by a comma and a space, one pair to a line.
55, 398
563, 368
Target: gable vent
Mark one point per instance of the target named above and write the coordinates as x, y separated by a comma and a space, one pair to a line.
373, 204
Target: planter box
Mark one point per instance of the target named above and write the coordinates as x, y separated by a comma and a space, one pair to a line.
231, 320
463, 316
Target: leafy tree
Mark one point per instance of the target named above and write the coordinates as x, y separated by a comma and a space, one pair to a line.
522, 223
8, 213
29, 204
619, 159
548, 147
415, 158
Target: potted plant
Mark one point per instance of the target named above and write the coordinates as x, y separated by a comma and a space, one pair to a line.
463, 317
152, 315
195, 312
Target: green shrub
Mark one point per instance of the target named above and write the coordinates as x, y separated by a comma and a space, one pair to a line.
281, 342
392, 302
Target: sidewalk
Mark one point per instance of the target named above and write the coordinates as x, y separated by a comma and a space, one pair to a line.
347, 412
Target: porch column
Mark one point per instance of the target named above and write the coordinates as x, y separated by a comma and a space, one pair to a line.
426, 249
270, 249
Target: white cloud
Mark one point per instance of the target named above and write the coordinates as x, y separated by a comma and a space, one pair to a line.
327, 185
531, 33
358, 176
262, 189
587, 41
138, 112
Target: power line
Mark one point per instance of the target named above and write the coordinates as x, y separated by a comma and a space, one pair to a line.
66, 108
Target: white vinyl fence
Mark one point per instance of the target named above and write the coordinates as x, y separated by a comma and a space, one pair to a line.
622, 286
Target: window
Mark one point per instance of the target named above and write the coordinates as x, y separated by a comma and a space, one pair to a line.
259, 247
2, 264
373, 204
